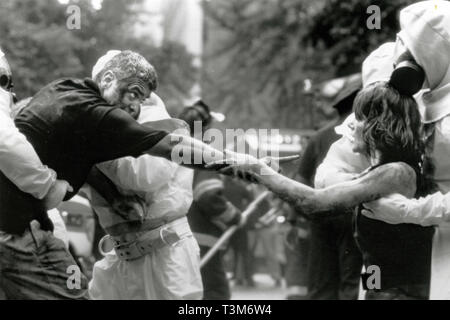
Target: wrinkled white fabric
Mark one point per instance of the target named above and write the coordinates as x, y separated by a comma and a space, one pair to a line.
167, 273
153, 110
340, 164
19, 161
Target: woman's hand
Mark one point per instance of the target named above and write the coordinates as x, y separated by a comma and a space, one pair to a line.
239, 165
248, 167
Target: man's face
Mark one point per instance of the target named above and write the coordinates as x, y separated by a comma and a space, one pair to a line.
127, 94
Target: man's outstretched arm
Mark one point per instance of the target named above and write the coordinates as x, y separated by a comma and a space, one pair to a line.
119, 135
186, 151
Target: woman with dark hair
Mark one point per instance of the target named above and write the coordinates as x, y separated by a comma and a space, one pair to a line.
388, 131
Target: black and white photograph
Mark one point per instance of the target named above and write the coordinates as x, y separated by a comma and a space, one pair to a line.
235, 152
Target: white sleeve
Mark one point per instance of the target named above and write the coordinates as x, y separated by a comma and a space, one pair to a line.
431, 210
340, 164
19, 161
142, 174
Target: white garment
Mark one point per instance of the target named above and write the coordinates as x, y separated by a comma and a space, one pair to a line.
425, 30
19, 162
166, 273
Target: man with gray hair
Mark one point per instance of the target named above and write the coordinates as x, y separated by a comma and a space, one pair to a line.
168, 268
73, 124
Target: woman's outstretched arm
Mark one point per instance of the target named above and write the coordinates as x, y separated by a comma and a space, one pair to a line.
386, 179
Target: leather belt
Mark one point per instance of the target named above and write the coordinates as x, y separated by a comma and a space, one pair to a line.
167, 235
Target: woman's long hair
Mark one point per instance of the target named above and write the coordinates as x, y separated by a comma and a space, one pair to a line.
392, 125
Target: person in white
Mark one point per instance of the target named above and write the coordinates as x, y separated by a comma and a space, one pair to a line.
170, 267
425, 32
19, 161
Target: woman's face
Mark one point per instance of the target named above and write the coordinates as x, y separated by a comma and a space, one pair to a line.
358, 143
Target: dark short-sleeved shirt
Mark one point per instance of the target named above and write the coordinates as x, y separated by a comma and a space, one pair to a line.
71, 127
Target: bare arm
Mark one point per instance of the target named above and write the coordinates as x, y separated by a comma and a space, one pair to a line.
384, 180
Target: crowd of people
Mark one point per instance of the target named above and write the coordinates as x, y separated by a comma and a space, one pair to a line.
370, 194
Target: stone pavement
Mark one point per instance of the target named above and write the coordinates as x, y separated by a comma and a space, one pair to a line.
264, 289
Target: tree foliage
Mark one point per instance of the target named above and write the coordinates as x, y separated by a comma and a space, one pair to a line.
40, 47
341, 29
256, 68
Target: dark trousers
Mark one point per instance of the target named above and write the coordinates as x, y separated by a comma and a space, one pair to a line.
335, 261
243, 267
297, 262
214, 277
36, 265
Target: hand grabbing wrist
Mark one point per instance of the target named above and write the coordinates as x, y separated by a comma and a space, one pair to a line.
56, 194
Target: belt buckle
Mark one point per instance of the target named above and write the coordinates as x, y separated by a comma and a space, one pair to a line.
127, 251
169, 237
105, 241
144, 247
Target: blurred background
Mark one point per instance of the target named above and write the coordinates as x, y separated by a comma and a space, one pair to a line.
262, 63
258, 62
